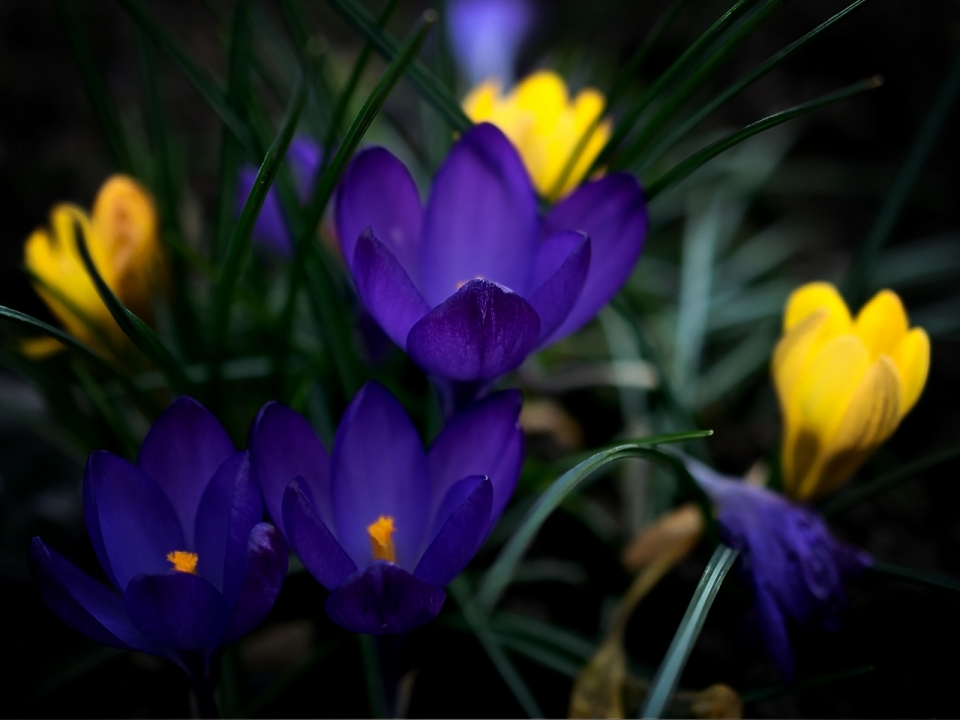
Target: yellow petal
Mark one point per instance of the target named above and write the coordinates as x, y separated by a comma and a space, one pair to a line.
881, 323
545, 94
480, 103
912, 358
792, 353
827, 385
40, 348
815, 296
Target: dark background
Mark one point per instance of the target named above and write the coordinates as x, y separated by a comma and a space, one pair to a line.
898, 639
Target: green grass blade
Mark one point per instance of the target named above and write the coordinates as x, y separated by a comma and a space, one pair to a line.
668, 674
106, 409
240, 239
671, 139
804, 684
203, 85
93, 82
140, 334
426, 83
887, 481
373, 674
684, 168
496, 579
477, 622
927, 578
859, 280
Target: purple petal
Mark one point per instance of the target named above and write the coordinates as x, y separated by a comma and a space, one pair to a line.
486, 36
612, 212
555, 297
479, 333
304, 156
266, 567
481, 220
81, 602
185, 446
386, 289
383, 599
484, 439
177, 610
285, 447
312, 541
461, 534
377, 192
228, 510
379, 468
270, 230
129, 518
773, 630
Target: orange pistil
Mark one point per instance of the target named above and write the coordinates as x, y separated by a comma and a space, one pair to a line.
381, 539
183, 561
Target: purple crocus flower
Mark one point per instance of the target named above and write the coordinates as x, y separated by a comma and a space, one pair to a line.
795, 567
270, 230
486, 35
380, 523
180, 538
475, 281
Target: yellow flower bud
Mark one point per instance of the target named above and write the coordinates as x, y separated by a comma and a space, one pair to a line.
844, 383
122, 239
545, 125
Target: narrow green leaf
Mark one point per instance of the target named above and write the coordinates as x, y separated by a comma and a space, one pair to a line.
373, 674
133, 327
93, 82
547, 657
476, 620
681, 129
804, 684
928, 578
684, 168
496, 579
426, 83
860, 278
887, 481
668, 674
106, 409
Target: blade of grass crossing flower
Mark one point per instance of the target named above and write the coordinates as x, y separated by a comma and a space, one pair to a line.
425, 82
686, 167
919, 576
674, 72
887, 481
140, 334
93, 82
496, 579
668, 674
859, 280
649, 156
331, 176
203, 85
477, 622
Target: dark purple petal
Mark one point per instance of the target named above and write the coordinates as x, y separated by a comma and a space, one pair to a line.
266, 567
461, 534
483, 439
486, 36
81, 602
481, 332
285, 447
379, 468
377, 192
612, 212
312, 541
555, 297
131, 516
773, 630
385, 288
304, 156
383, 599
185, 446
481, 220
228, 510
177, 610
270, 229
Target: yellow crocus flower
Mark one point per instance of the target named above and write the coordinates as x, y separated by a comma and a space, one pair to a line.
844, 383
122, 238
545, 125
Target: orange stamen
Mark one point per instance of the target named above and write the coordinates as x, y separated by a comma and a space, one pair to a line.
183, 561
381, 542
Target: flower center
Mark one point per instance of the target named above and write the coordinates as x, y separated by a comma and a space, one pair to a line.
183, 561
381, 539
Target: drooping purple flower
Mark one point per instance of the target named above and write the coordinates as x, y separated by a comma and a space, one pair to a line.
270, 230
179, 537
476, 280
486, 35
380, 523
795, 567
